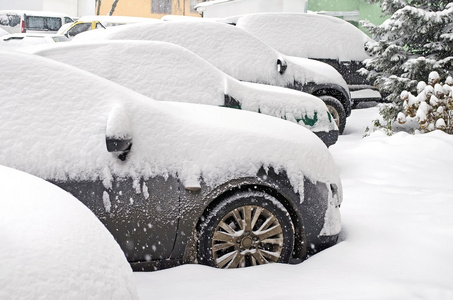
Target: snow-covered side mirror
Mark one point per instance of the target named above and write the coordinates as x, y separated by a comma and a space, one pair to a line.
118, 137
115, 144
281, 66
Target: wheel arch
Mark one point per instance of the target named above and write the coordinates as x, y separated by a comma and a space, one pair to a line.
299, 248
338, 94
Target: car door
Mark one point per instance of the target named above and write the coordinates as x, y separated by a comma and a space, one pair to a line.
142, 215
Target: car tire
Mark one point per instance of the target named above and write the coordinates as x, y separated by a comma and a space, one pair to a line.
246, 229
337, 111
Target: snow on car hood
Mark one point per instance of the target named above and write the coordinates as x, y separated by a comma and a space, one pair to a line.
229, 48
316, 71
295, 106
168, 72
53, 247
307, 35
54, 123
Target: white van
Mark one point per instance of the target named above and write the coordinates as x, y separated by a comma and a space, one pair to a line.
23, 21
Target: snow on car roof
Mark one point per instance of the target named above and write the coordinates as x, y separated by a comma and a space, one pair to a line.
55, 117
52, 246
307, 35
158, 70
168, 72
231, 49
222, 51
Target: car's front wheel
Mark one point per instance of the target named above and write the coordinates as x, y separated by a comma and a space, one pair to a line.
336, 110
244, 230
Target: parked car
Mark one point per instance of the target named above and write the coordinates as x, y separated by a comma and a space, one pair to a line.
87, 23
19, 40
27, 21
48, 239
324, 38
169, 72
173, 182
244, 57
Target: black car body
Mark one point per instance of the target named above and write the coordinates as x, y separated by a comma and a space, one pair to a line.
163, 177
323, 38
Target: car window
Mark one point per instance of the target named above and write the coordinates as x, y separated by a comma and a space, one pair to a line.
53, 24
68, 20
35, 23
43, 23
79, 28
11, 20
58, 39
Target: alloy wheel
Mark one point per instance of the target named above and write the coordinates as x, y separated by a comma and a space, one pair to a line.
246, 236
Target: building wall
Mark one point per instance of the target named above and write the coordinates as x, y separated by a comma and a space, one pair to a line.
21, 4
73, 8
239, 7
69, 6
150, 8
350, 10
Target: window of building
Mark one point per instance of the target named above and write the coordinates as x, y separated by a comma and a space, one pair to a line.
161, 6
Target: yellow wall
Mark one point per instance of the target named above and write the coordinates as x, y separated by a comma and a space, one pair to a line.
142, 8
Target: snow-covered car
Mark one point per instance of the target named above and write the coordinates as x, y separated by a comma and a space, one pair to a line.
87, 23
54, 247
324, 38
173, 182
244, 57
20, 40
29, 21
168, 72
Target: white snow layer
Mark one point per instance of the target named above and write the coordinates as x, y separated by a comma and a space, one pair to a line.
229, 48
168, 72
307, 35
56, 104
53, 247
397, 231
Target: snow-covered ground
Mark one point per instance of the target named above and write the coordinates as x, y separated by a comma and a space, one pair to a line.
397, 231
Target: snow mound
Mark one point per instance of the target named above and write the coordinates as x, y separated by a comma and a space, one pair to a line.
53, 247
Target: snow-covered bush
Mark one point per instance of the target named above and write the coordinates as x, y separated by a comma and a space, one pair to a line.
416, 40
431, 109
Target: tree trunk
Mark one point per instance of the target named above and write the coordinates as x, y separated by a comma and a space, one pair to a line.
113, 7
98, 7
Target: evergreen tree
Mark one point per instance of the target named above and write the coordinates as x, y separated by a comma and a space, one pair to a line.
416, 40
